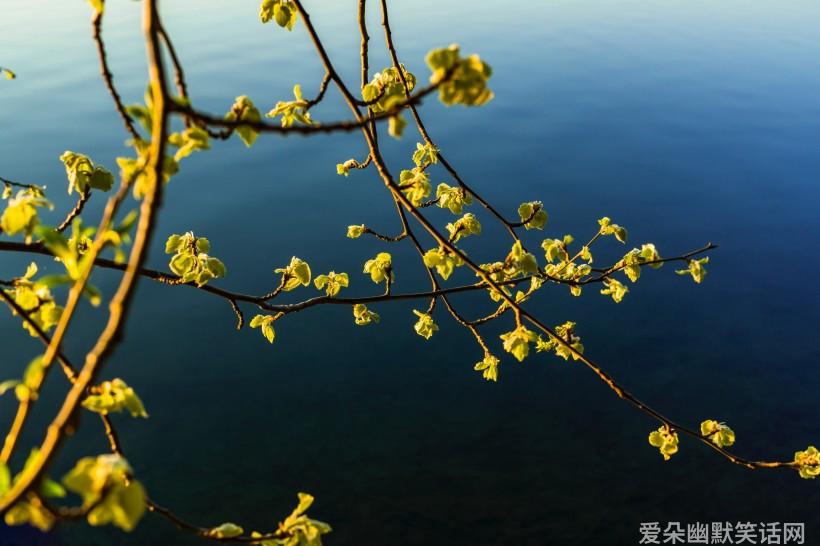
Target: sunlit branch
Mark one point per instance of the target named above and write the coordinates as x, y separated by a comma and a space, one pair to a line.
108, 426
112, 333
521, 312
388, 34
331, 127
365, 38
319, 96
20, 184
517, 309
386, 238
262, 300
179, 73
163, 106
76, 211
105, 72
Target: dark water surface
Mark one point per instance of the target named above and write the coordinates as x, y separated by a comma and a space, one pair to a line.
686, 121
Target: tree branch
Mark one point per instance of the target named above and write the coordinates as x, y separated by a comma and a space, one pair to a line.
517, 309
332, 127
76, 211
112, 333
105, 72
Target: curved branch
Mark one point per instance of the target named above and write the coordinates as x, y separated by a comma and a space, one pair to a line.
108, 78
76, 211
112, 333
163, 107
388, 35
179, 73
110, 433
519, 311
20, 184
386, 238
331, 127
261, 301
322, 89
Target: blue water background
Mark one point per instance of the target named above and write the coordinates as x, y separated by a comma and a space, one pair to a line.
686, 121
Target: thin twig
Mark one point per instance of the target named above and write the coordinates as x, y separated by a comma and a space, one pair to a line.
119, 305
322, 89
20, 184
76, 211
108, 78
518, 310
331, 127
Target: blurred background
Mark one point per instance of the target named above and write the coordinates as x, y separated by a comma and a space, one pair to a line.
685, 121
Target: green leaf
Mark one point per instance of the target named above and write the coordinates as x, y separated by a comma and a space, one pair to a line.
267, 331
266, 10
396, 125
301, 530
415, 184
226, 530
720, 434
425, 154
284, 12
50, 488
464, 226
666, 440
284, 15
380, 268
425, 327
488, 367
67, 251
614, 288
203, 245
295, 274
108, 490
93, 294
190, 260
292, 111
467, 82
533, 214
452, 198
33, 376
114, 397
519, 261
363, 316
695, 269
5, 479
354, 232
20, 214
98, 5
332, 282
243, 109
608, 228
265, 322
385, 91
8, 385
141, 114
172, 244
83, 173
190, 140
101, 179
808, 463
35, 515
444, 262
517, 342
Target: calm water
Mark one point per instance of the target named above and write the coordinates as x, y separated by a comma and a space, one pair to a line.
686, 121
